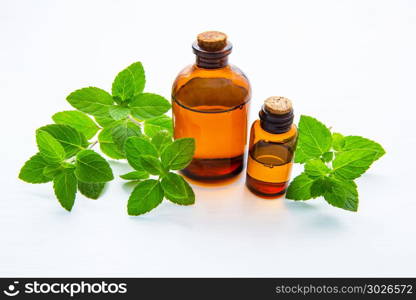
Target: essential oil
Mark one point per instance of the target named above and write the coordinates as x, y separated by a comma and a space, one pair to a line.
210, 104
272, 146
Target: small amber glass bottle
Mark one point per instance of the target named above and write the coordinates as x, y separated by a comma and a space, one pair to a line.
210, 103
272, 145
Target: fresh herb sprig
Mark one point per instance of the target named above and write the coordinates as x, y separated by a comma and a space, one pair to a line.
331, 163
158, 156
127, 114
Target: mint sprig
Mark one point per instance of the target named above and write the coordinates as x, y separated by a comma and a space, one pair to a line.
331, 163
158, 156
128, 124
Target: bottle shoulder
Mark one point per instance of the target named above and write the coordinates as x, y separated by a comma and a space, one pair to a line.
228, 86
258, 133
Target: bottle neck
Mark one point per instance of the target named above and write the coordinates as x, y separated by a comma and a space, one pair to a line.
211, 60
274, 123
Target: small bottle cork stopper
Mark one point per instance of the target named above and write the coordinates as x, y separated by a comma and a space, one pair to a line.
278, 105
212, 40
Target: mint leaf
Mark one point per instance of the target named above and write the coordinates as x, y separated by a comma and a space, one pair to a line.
91, 190
342, 194
77, 120
135, 175
352, 164
122, 131
314, 139
161, 139
52, 171
32, 170
358, 142
137, 146
146, 106
65, 187
91, 167
72, 140
129, 82
178, 155
338, 141
151, 164
91, 100
327, 156
320, 186
300, 188
315, 168
50, 149
153, 126
146, 196
139, 78
177, 190
107, 145
106, 121
119, 112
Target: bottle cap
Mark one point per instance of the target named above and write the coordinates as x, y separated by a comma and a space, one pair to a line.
278, 105
212, 40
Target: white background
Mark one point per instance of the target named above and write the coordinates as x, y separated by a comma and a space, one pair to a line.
351, 64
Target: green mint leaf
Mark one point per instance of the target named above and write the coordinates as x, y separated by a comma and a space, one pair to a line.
320, 186
107, 121
119, 112
91, 190
138, 74
78, 120
358, 142
107, 145
65, 187
338, 141
300, 188
32, 170
316, 168
352, 164
177, 190
300, 156
52, 171
153, 126
50, 149
342, 194
135, 175
91, 167
161, 139
91, 100
151, 164
71, 139
327, 156
129, 82
146, 196
314, 139
122, 131
147, 106
137, 146
178, 155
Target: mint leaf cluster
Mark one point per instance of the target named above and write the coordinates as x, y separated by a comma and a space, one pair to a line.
158, 156
64, 159
331, 163
127, 124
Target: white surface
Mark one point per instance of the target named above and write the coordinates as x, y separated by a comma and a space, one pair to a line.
350, 64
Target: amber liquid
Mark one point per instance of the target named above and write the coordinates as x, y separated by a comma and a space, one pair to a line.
270, 162
211, 106
219, 150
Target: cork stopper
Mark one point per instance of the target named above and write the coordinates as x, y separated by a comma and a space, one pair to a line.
278, 105
212, 40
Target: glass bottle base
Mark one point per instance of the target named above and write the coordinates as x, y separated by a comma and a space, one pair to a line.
214, 169
266, 189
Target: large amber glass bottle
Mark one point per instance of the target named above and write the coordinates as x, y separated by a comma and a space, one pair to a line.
210, 103
272, 146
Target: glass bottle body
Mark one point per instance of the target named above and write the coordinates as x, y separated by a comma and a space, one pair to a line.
211, 106
270, 160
